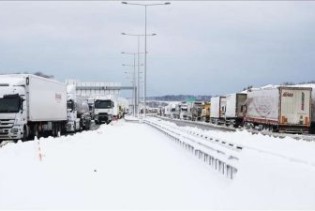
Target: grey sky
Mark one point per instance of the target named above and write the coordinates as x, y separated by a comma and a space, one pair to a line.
205, 47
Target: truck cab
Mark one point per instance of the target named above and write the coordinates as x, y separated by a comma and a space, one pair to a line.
12, 110
185, 111
103, 110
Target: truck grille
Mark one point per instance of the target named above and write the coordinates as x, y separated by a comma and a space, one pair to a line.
6, 123
5, 127
4, 132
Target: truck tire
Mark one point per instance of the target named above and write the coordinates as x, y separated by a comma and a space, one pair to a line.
88, 126
58, 130
36, 131
26, 133
53, 131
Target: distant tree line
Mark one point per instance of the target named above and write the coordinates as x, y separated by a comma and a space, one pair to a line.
305, 82
181, 98
43, 75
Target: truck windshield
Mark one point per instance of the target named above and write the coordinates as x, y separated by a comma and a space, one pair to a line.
104, 104
10, 104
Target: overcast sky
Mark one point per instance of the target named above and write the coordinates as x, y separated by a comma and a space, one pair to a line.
205, 47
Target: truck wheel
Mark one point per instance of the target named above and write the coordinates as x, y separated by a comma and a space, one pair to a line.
88, 126
58, 130
36, 131
53, 131
26, 133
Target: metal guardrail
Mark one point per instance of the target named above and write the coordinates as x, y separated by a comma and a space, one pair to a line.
219, 157
202, 125
257, 149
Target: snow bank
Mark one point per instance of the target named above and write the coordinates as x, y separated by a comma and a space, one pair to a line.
120, 166
132, 166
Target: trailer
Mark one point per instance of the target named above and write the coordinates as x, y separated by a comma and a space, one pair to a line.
217, 111
312, 86
31, 106
235, 108
280, 109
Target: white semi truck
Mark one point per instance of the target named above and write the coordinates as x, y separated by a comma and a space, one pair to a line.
279, 108
172, 110
31, 106
185, 111
106, 109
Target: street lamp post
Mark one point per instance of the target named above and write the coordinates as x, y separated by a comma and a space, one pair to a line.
133, 83
138, 44
145, 44
134, 97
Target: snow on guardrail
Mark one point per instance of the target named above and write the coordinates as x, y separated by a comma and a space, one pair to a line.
282, 147
219, 155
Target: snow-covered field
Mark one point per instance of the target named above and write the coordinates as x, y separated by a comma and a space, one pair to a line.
127, 165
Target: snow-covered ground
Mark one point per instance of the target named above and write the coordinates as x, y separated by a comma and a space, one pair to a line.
128, 165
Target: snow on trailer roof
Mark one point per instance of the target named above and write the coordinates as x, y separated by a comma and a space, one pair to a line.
271, 86
12, 79
19, 79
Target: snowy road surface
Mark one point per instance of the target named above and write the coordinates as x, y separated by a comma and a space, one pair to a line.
132, 166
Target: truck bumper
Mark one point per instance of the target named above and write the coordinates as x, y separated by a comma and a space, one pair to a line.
14, 133
103, 118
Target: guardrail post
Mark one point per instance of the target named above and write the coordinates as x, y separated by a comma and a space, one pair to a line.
205, 157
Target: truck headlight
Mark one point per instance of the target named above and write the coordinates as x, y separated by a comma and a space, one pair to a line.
14, 130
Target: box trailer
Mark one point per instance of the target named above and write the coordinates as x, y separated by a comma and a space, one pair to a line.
235, 108
31, 106
312, 86
283, 109
217, 111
